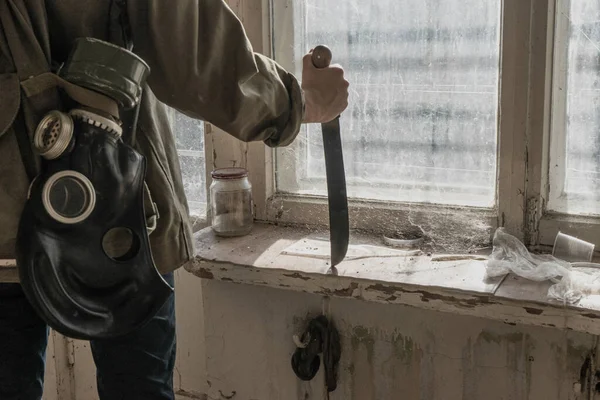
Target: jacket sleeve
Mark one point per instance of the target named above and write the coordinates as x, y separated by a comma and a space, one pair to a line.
203, 65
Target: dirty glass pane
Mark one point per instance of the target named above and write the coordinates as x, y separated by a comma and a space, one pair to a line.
189, 136
192, 171
422, 121
582, 178
189, 132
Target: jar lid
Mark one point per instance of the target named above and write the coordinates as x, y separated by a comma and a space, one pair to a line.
229, 173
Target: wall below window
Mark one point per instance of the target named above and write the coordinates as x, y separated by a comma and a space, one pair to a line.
235, 341
389, 351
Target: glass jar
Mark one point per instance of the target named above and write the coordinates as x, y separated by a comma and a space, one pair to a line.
231, 203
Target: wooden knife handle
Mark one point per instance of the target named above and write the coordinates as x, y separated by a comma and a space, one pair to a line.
321, 56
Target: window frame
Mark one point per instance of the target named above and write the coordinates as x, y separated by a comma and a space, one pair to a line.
524, 129
551, 222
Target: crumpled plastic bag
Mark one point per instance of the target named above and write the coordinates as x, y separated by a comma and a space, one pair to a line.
509, 255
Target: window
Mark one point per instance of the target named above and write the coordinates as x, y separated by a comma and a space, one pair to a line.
422, 121
575, 158
465, 115
189, 137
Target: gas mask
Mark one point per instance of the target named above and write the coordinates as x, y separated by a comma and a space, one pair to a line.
83, 250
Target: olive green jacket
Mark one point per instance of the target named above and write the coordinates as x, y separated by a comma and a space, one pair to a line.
202, 64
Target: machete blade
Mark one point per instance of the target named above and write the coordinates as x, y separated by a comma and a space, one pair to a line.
339, 227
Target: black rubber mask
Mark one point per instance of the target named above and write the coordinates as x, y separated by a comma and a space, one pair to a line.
83, 250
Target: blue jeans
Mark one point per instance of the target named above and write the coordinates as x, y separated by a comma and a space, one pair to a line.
136, 366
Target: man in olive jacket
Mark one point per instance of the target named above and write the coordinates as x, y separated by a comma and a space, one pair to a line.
202, 64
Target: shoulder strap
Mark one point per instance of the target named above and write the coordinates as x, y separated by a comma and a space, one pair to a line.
119, 27
120, 34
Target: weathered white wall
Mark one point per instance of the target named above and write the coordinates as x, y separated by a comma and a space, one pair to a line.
239, 346
389, 352
50, 379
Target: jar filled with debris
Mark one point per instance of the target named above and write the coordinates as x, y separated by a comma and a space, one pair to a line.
231, 203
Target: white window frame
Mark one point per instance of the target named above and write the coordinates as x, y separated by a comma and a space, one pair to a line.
585, 227
524, 127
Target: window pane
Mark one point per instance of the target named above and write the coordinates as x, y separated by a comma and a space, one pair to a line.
189, 136
422, 120
189, 132
579, 193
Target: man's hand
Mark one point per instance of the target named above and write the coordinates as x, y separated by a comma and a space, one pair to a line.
325, 91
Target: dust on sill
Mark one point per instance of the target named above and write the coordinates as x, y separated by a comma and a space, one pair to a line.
293, 258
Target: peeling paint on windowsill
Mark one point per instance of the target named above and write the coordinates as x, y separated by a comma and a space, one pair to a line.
455, 286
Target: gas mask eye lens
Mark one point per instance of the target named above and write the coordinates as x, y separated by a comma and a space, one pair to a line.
69, 197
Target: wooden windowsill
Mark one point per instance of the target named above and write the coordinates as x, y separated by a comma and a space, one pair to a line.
452, 284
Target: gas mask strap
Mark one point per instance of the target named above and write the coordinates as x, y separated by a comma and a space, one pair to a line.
152, 215
120, 33
86, 97
130, 121
119, 28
